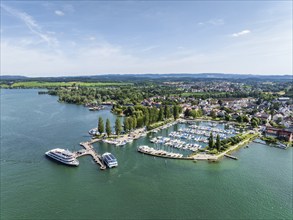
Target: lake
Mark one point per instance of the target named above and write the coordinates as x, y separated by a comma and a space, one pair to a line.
258, 185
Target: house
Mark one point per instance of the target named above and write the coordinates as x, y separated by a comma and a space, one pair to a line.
286, 134
221, 113
235, 116
263, 116
277, 117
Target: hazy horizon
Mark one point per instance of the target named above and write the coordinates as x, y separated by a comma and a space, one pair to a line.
72, 38
107, 74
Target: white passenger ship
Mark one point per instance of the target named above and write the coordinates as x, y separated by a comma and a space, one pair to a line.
63, 156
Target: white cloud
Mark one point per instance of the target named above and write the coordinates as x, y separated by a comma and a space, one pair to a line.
146, 49
108, 58
216, 22
32, 24
104, 58
213, 22
241, 33
59, 13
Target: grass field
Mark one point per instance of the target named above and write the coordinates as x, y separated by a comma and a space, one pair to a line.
37, 84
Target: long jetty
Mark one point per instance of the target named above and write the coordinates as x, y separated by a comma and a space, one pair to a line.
89, 150
230, 156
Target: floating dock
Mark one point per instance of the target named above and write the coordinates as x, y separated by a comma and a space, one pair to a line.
89, 150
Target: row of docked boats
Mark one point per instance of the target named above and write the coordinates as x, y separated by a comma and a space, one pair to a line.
97, 108
118, 142
152, 151
125, 140
176, 143
214, 129
188, 136
69, 158
211, 124
192, 134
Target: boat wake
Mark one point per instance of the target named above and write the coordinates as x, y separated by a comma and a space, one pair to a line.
20, 161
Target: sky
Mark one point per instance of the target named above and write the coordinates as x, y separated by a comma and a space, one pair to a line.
70, 38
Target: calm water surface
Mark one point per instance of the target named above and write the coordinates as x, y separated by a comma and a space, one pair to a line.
258, 185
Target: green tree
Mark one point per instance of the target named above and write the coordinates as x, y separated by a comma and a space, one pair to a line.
254, 123
161, 114
126, 125
228, 117
118, 127
211, 141
167, 112
218, 142
199, 113
101, 125
134, 122
129, 111
193, 113
140, 122
245, 118
130, 122
187, 112
239, 119
279, 120
213, 114
175, 112
153, 113
108, 127
146, 118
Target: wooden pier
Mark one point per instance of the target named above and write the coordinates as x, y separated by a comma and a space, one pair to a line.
89, 150
230, 156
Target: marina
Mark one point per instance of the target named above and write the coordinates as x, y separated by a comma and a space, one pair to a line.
191, 138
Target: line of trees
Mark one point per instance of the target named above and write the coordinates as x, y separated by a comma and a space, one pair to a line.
108, 128
214, 146
138, 117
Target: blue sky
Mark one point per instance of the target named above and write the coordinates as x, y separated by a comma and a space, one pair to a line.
56, 38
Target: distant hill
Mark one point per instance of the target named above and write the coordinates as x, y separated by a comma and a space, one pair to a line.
163, 77
10, 77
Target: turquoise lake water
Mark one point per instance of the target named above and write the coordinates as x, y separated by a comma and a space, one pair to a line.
257, 186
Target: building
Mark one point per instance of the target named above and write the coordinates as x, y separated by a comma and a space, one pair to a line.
286, 134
